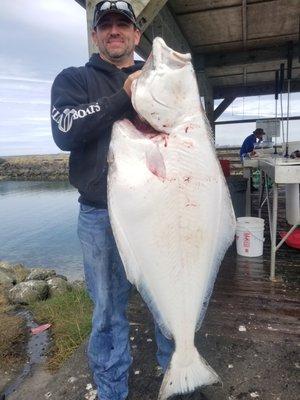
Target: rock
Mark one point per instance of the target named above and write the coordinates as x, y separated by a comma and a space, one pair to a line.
5, 264
21, 273
40, 274
18, 270
58, 286
6, 278
78, 285
27, 292
4, 301
58, 276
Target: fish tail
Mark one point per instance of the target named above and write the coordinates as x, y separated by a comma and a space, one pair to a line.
185, 373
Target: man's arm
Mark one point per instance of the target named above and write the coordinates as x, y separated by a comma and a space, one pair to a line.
247, 147
74, 120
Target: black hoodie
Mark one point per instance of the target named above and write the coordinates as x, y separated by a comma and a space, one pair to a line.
85, 102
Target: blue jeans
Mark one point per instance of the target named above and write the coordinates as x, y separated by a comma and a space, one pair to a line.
109, 349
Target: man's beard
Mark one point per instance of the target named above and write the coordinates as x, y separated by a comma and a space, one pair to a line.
115, 55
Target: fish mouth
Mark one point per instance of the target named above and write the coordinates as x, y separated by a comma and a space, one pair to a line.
144, 127
162, 54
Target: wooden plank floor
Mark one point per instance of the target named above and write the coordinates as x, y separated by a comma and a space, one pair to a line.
268, 307
259, 361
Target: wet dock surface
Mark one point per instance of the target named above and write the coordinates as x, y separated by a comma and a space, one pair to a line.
35, 351
250, 336
251, 331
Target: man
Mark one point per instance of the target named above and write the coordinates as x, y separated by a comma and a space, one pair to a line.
250, 141
86, 101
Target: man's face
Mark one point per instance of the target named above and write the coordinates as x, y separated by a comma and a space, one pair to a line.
260, 135
116, 38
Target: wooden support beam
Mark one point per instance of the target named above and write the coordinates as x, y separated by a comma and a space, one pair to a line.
243, 58
165, 26
148, 12
222, 107
145, 47
244, 22
209, 110
206, 91
264, 88
90, 7
202, 9
81, 2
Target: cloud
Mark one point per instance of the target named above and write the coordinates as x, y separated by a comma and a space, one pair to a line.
54, 16
37, 39
260, 107
47, 37
23, 79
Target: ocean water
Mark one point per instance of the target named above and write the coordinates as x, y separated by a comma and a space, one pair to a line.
38, 226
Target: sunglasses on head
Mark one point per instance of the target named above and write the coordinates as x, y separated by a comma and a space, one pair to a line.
104, 6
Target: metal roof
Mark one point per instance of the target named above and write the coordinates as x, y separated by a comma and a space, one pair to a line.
237, 44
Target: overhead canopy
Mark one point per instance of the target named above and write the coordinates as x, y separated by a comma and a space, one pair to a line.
238, 43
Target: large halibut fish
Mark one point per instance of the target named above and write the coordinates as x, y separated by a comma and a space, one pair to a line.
170, 208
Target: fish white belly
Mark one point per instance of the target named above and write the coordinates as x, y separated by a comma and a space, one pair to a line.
172, 219
165, 228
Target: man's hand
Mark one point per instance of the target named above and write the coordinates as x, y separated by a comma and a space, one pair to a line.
252, 153
129, 80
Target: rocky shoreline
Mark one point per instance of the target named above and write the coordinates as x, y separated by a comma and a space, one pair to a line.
22, 286
52, 167
24, 343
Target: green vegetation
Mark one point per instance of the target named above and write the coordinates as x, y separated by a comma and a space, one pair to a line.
13, 335
70, 315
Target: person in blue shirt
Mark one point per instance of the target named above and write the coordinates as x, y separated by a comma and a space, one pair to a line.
250, 142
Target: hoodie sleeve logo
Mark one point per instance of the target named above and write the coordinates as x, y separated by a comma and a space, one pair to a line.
66, 118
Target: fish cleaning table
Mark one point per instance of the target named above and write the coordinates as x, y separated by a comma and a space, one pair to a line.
281, 171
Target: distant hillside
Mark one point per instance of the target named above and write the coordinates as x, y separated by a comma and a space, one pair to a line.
35, 167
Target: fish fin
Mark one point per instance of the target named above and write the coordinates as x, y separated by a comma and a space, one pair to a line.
145, 293
133, 274
182, 377
225, 231
155, 162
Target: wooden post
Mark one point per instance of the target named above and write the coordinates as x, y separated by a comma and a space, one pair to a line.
90, 6
209, 109
206, 91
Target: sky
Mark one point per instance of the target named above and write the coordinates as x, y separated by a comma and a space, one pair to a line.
39, 38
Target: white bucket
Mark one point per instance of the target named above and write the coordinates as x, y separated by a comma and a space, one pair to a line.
250, 236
